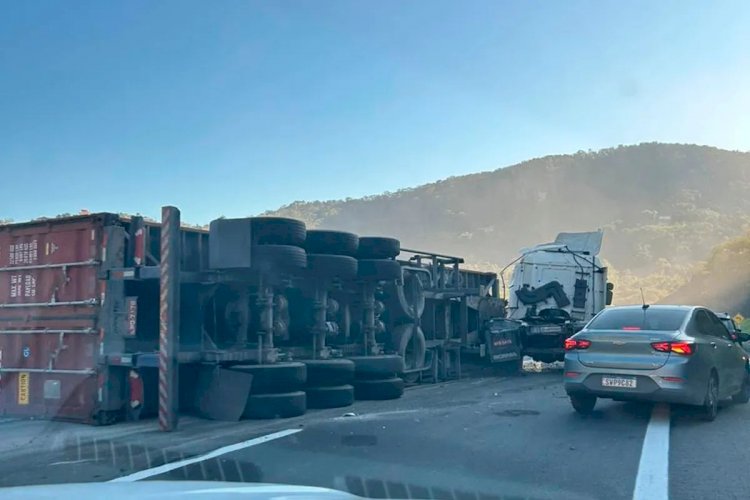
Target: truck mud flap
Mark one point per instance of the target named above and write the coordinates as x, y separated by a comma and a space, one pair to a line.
222, 394
503, 342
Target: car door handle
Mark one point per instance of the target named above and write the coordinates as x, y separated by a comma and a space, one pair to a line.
729, 344
713, 344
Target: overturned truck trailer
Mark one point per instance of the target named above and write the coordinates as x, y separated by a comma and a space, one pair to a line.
271, 319
259, 304
437, 311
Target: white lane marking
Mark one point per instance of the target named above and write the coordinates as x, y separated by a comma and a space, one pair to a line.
652, 481
213, 454
68, 462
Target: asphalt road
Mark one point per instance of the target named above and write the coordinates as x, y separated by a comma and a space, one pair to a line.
476, 438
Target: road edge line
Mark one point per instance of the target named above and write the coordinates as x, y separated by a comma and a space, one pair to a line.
652, 480
155, 471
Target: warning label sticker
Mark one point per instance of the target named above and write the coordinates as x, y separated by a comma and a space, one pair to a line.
23, 388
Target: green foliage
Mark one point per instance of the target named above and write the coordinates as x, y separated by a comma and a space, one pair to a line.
656, 285
722, 281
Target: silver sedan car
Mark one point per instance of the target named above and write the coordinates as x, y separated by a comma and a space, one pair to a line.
672, 354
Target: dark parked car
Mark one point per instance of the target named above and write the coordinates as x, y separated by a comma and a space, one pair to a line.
673, 354
729, 323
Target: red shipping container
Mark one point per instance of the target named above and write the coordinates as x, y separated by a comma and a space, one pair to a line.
50, 299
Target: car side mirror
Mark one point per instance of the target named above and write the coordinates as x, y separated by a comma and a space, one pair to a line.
610, 294
743, 336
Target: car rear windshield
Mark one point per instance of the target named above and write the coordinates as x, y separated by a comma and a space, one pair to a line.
639, 319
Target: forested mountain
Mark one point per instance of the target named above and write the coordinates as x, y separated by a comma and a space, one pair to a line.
663, 207
722, 282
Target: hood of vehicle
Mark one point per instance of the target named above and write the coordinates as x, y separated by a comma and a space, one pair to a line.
172, 489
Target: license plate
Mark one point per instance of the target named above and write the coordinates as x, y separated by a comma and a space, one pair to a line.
623, 382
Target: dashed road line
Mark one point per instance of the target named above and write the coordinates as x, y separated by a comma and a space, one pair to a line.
167, 467
652, 481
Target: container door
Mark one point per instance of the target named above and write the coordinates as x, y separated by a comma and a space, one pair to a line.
49, 305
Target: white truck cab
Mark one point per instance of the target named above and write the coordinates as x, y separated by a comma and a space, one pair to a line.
555, 289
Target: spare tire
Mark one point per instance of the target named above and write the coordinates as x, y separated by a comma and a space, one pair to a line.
274, 378
377, 247
377, 366
332, 266
330, 397
277, 231
283, 405
331, 242
379, 270
277, 258
329, 372
410, 344
380, 389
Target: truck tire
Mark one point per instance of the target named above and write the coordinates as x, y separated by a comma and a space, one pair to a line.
274, 378
409, 342
332, 266
374, 367
379, 389
329, 372
330, 397
277, 231
379, 269
331, 242
375, 247
280, 405
277, 258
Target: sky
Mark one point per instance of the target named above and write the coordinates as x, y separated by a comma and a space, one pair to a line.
235, 107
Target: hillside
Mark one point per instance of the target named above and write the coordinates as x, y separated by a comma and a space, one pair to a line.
663, 208
722, 282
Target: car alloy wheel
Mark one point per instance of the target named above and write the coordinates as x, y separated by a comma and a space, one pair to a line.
711, 405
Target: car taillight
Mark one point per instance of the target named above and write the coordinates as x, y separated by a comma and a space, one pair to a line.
684, 348
661, 346
571, 344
